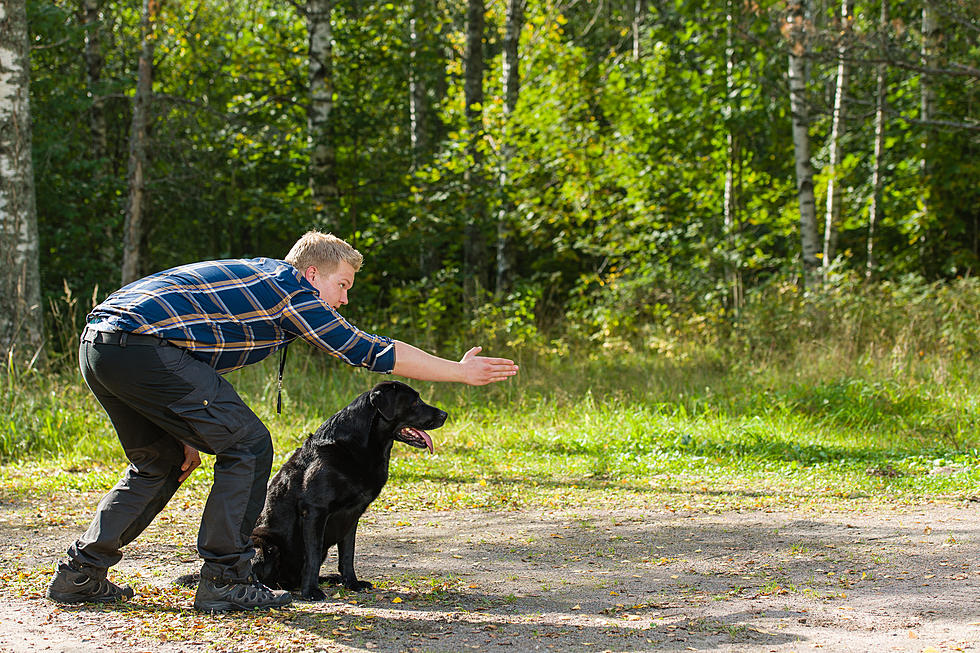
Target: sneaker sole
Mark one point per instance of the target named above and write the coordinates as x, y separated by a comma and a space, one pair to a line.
82, 598
228, 606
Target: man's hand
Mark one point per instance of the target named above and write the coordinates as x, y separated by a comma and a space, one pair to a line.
414, 363
192, 460
480, 370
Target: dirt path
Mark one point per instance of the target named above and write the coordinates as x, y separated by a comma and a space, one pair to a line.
568, 580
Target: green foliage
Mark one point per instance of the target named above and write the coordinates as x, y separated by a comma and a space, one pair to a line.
880, 389
614, 163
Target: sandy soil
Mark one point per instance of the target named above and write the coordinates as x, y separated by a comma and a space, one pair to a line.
899, 579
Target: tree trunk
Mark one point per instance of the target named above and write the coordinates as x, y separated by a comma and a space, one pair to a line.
798, 21
927, 98
511, 77
832, 215
418, 118
875, 210
324, 188
21, 325
94, 62
474, 246
639, 9
135, 225
733, 277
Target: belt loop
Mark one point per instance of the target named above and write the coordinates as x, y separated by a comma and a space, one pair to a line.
122, 338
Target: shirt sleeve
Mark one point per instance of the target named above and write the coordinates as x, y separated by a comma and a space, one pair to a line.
315, 321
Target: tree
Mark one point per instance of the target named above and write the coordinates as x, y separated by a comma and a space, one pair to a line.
474, 243
832, 215
21, 325
733, 275
797, 25
94, 62
135, 225
511, 74
323, 153
875, 208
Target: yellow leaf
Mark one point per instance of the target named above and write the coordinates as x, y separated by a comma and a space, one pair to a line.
397, 599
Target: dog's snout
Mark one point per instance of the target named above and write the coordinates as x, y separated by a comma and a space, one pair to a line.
439, 419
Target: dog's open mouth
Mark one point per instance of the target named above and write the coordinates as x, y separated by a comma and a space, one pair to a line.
415, 438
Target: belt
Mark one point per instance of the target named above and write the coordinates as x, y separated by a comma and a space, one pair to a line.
121, 338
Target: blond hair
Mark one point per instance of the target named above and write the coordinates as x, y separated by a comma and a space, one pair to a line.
323, 251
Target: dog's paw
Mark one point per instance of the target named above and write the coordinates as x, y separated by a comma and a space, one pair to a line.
349, 584
358, 585
315, 594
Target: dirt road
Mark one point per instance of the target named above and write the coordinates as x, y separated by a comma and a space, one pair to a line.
881, 579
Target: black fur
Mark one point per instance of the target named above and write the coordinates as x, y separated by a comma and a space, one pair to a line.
319, 494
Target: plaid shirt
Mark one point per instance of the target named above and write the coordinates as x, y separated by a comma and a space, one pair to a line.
232, 313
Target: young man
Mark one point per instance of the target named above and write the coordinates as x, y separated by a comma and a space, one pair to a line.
153, 354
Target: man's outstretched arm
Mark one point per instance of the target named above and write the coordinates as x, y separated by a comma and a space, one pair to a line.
472, 369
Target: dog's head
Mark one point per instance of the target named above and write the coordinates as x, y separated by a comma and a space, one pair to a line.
402, 408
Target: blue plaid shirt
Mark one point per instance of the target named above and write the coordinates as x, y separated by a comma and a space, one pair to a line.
233, 313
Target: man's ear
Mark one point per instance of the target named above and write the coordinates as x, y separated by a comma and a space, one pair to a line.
310, 273
384, 402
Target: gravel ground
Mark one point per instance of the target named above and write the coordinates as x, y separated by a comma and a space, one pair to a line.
867, 579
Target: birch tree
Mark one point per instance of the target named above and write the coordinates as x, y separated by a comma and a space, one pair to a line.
797, 22
135, 224
875, 208
417, 114
474, 246
832, 214
930, 39
324, 188
94, 62
21, 323
511, 76
733, 278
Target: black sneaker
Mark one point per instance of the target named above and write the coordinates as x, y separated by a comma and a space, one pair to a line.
218, 595
73, 586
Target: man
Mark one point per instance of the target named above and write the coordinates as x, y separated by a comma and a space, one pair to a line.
153, 354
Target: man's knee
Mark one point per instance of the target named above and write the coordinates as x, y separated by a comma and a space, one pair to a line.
256, 444
161, 459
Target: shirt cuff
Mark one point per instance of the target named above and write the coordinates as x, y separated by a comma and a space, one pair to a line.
384, 361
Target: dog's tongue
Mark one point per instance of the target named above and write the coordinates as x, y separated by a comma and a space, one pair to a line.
419, 436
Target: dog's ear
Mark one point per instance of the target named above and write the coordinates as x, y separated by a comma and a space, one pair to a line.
383, 400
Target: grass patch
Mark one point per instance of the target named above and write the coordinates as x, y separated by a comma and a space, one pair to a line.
583, 431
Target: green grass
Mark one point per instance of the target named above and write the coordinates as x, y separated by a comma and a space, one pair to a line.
615, 427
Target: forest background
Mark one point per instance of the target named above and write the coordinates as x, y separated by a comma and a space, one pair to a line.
563, 174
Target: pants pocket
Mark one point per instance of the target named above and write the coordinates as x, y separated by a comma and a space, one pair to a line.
215, 413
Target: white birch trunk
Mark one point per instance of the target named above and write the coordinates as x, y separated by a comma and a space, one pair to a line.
323, 156
93, 72
927, 98
875, 209
134, 227
797, 23
732, 274
474, 246
21, 325
639, 9
832, 214
418, 120
511, 76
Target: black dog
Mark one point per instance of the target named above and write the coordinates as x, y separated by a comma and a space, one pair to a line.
316, 499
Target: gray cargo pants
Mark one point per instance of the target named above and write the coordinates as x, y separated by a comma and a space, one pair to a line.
159, 396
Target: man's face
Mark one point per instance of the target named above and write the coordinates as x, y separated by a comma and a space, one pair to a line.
332, 286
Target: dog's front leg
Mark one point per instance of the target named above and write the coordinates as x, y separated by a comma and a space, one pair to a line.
313, 520
345, 562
